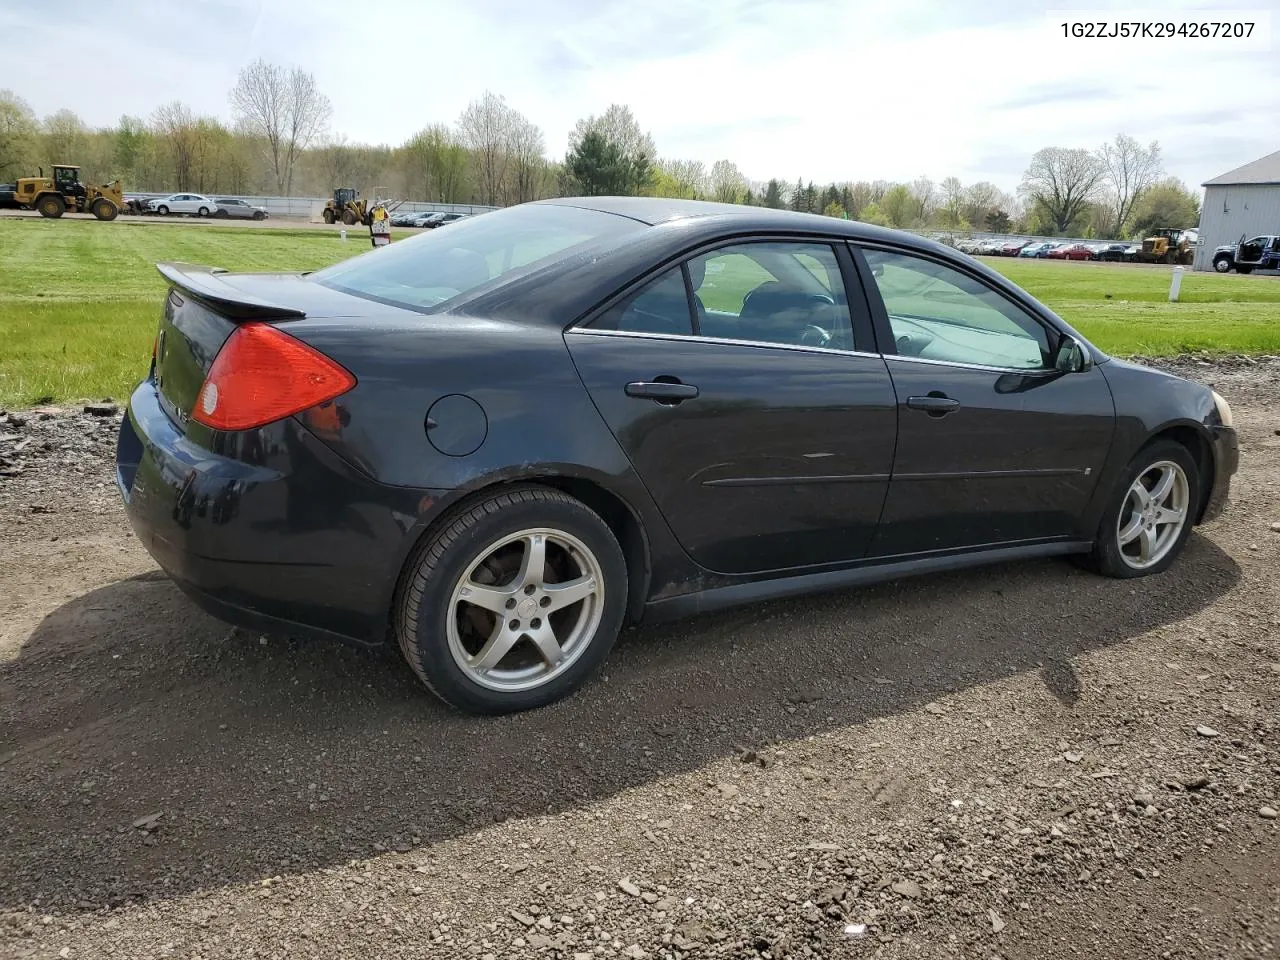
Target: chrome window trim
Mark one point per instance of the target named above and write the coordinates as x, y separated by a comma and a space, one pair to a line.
681, 337
1024, 371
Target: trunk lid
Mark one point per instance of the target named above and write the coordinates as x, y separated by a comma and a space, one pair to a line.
202, 309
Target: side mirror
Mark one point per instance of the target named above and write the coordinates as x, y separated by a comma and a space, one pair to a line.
1072, 356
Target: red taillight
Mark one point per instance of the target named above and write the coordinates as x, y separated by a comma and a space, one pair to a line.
261, 375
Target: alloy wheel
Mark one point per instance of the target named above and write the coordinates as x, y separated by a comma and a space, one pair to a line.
525, 610
1155, 510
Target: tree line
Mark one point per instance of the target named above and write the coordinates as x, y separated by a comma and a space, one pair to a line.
280, 143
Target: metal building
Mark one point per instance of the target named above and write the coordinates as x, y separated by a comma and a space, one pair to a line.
1245, 201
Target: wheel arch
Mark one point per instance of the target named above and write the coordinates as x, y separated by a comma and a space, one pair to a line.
618, 514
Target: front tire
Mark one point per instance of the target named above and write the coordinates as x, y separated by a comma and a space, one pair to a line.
104, 209
204, 211
1151, 513
1222, 264
514, 603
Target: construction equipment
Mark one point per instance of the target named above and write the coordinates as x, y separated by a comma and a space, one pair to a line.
348, 207
1166, 246
54, 196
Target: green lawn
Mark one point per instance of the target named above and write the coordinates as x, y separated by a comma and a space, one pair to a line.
79, 300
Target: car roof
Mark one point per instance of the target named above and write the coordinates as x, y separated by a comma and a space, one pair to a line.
741, 217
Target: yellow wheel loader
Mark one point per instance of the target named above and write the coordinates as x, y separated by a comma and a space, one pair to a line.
53, 196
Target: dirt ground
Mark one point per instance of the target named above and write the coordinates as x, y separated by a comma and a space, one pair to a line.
1021, 761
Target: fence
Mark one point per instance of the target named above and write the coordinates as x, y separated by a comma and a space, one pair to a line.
308, 208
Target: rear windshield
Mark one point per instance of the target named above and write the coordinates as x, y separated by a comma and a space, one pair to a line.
433, 269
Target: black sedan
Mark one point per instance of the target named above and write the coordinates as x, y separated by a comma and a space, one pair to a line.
494, 445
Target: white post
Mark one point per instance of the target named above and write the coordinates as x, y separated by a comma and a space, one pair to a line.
1175, 285
343, 233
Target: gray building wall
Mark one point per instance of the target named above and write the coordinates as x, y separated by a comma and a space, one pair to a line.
1229, 211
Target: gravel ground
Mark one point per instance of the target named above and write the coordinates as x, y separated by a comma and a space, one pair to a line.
1022, 761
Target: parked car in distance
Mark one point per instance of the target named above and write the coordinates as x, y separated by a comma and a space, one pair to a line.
445, 219
332, 454
238, 210
1131, 252
1013, 247
403, 218
1112, 252
990, 247
1071, 251
1033, 248
190, 203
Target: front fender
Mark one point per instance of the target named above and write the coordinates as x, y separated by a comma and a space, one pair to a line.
1150, 403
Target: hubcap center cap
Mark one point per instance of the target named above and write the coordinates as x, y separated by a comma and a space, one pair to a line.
527, 608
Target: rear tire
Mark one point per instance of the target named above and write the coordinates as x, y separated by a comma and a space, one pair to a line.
328, 216
52, 206
1240, 269
162, 210
489, 551
1123, 532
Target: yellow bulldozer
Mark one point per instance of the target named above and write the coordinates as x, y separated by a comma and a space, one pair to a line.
53, 196
1166, 246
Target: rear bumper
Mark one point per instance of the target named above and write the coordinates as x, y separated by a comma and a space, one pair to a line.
283, 536
1226, 459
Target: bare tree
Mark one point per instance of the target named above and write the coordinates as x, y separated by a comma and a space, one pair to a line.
17, 133
688, 176
528, 159
727, 182
617, 125
64, 136
1129, 169
1061, 181
176, 127
283, 107
922, 195
486, 126
336, 161
953, 194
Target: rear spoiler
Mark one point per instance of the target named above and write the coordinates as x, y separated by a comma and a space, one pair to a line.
205, 284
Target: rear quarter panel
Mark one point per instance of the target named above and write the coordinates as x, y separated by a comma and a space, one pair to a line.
539, 418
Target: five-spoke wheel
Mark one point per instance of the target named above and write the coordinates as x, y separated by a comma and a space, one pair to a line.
1151, 513
514, 601
526, 609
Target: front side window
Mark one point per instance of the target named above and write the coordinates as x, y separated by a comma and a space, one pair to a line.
938, 313
777, 292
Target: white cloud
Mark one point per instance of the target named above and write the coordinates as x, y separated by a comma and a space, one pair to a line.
824, 89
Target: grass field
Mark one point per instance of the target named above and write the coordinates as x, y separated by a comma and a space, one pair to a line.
79, 300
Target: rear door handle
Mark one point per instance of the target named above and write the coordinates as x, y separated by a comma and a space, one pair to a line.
934, 405
662, 391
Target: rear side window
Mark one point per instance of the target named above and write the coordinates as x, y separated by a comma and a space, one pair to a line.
660, 306
433, 269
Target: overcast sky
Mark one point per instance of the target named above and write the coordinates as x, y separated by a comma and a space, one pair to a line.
820, 89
